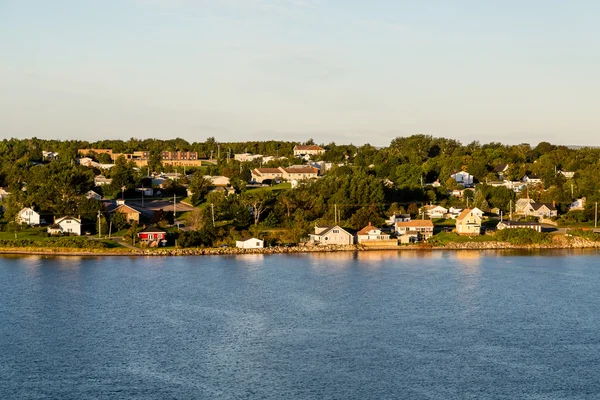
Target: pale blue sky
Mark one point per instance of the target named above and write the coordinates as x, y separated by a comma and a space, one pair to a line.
334, 70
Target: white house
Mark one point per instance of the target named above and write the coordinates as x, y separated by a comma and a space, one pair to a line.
251, 243
415, 230
532, 179
28, 216
66, 225
397, 218
577, 204
464, 178
568, 174
307, 150
370, 232
331, 235
434, 212
101, 180
477, 212
468, 223
217, 180
454, 212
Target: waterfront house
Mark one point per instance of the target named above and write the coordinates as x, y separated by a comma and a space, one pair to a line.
415, 230
153, 236
468, 223
397, 218
250, 243
507, 224
66, 225
370, 233
28, 216
337, 235
544, 210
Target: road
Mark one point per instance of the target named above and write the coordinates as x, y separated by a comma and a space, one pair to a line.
154, 205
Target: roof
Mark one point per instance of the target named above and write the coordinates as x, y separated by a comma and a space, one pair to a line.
464, 214
519, 223
415, 223
152, 229
367, 229
329, 228
267, 170
500, 167
245, 239
307, 147
537, 206
124, 208
65, 218
303, 170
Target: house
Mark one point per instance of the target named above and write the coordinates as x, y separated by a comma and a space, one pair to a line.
544, 210
568, 174
325, 235
434, 212
66, 225
3, 193
251, 243
131, 214
522, 205
577, 204
369, 233
454, 212
49, 155
518, 224
153, 236
463, 178
93, 195
261, 174
532, 179
415, 230
241, 156
397, 218
501, 169
217, 180
307, 150
101, 180
468, 223
477, 212
298, 173
28, 216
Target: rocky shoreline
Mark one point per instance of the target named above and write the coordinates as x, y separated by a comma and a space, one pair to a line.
557, 243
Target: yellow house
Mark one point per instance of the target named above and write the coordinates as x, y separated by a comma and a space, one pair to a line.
468, 223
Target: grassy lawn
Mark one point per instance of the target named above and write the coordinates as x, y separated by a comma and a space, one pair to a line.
29, 233
444, 222
448, 237
275, 188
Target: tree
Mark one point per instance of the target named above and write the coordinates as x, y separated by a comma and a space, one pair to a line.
119, 221
258, 201
199, 186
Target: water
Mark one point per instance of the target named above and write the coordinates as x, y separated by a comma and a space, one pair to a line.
465, 325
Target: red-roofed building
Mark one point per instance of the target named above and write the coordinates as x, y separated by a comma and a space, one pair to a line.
370, 232
308, 150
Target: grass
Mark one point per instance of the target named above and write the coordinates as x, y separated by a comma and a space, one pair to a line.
29, 233
448, 237
274, 188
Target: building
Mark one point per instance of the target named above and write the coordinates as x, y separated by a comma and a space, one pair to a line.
568, 174
468, 223
276, 174
131, 214
251, 243
66, 225
28, 216
544, 210
414, 231
435, 212
141, 158
325, 235
371, 233
3, 193
397, 218
518, 224
577, 204
501, 170
463, 178
217, 180
532, 179
101, 180
153, 236
307, 150
93, 195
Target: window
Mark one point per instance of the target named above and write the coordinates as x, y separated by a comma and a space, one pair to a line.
336, 231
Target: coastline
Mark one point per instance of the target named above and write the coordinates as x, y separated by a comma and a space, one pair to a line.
558, 243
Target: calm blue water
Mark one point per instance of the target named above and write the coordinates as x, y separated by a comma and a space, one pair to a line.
467, 325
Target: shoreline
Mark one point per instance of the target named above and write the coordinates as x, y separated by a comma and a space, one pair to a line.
216, 251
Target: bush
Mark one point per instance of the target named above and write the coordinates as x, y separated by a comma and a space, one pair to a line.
522, 236
585, 234
64, 242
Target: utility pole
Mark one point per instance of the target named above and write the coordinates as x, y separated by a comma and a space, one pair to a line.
510, 209
571, 191
109, 229
335, 214
174, 207
99, 224
212, 208
596, 216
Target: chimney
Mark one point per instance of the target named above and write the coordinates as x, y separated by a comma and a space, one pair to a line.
553, 203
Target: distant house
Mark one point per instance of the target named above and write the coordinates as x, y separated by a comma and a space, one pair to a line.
66, 225
435, 212
468, 223
523, 205
242, 157
454, 212
217, 180
577, 204
415, 230
518, 224
153, 236
251, 243
568, 174
307, 150
463, 178
532, 179
544, 210
28, 216
325, 235
501, 169
49, 155
130, 213
370, 232
101, 180
477, 212
93, 195
276, 174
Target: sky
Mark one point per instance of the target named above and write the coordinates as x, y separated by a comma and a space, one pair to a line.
341, 71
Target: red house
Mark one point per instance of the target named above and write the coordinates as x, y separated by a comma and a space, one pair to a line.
152, 234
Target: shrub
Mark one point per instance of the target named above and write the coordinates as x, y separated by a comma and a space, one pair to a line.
522, 236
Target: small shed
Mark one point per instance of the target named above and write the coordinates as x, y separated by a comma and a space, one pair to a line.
251, 243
